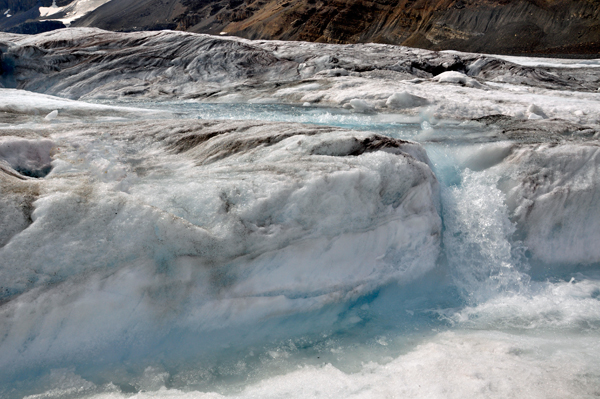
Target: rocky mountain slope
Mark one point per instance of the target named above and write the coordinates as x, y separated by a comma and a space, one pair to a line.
493, 26
37, 16
489, 26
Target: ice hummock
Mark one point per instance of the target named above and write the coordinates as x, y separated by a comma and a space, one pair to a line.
209, 228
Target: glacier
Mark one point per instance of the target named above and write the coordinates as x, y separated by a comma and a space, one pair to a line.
190, 216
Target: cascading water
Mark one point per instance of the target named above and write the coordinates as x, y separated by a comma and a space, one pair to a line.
477, 238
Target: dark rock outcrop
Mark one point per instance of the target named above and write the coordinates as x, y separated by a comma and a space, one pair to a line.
35, 27
23, 16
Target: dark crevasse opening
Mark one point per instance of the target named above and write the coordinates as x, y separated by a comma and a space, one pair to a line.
31, 158
36, 173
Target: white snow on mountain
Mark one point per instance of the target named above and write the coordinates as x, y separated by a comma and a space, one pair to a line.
72, 11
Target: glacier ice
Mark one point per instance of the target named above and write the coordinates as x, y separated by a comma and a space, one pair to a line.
405, 100
552, 192
158, 239
361, 105
167, 65
535, 112
208, 226
52, 115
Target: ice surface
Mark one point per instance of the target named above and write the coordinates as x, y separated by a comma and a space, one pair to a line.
208, 227
553, 191
227, 69
28, 157
52, 115
536, 112
20, 102
551, 62
457, 78
149, 250
404, 100
361, 105
230, 223
461, 364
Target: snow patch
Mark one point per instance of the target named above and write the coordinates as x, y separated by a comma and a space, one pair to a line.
405, 100
535, 112
456, 77
72, 11
361, 105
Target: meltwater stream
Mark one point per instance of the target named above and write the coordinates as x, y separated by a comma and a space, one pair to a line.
489, 319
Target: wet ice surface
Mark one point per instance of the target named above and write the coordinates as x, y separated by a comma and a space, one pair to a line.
120, 297
86, 63
246, 248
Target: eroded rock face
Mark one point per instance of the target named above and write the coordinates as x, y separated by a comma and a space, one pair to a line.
510, 26
490, 26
